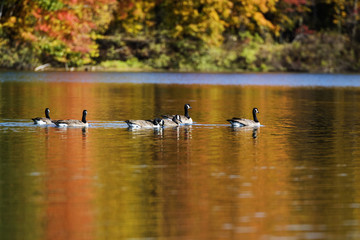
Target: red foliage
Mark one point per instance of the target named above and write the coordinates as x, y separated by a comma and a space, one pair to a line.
124, 7
295, 2
67, 16
303, 29
44, 27
291, 6
73, 24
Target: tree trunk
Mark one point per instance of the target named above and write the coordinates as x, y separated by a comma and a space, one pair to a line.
355, 16
1, 8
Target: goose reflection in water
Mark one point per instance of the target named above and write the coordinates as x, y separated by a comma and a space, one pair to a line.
255, 130
84, 131
66, 132
146, 131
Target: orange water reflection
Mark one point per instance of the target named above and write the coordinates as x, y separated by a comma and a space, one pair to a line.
69, 162
297, 179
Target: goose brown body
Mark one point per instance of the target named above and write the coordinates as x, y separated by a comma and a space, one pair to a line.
174, 122
243, 122
156, 123
73, 122
185, 119
43, 120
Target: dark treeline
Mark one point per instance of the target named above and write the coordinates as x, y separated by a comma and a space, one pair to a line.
185, 35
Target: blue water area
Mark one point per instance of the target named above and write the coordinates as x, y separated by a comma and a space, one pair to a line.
267, 79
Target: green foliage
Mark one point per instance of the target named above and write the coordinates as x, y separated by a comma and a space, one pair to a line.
22, 57
162, 61
324, 52
50, 5
249, 53
130, 64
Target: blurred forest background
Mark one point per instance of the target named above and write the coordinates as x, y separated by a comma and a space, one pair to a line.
181, 35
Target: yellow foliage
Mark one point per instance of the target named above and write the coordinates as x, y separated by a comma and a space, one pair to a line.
195, 13
193, 27
226, 13
251, 13
178, 31
3, 41
262, 21
213, 15
10, 23
28, 35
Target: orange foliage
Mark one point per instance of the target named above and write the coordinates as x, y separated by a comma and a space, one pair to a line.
72, 25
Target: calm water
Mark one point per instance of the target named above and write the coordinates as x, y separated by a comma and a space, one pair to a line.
296, 177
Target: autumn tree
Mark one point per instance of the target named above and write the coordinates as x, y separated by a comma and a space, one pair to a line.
290, 16
67, 29
251, 15
135, 17
205, 20
345, 15
16, 47
61, 29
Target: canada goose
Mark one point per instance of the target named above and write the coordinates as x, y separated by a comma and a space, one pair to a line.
73, 122
156, 123
185, 119
174, 122
242, 122
45, 120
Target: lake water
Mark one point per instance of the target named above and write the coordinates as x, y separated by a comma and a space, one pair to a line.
295, 177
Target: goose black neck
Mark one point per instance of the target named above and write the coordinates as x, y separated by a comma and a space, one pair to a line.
186, 112
47, 115
255, 117
84, 118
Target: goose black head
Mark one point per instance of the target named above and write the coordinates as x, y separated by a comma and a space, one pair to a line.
187, 107
255, 110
